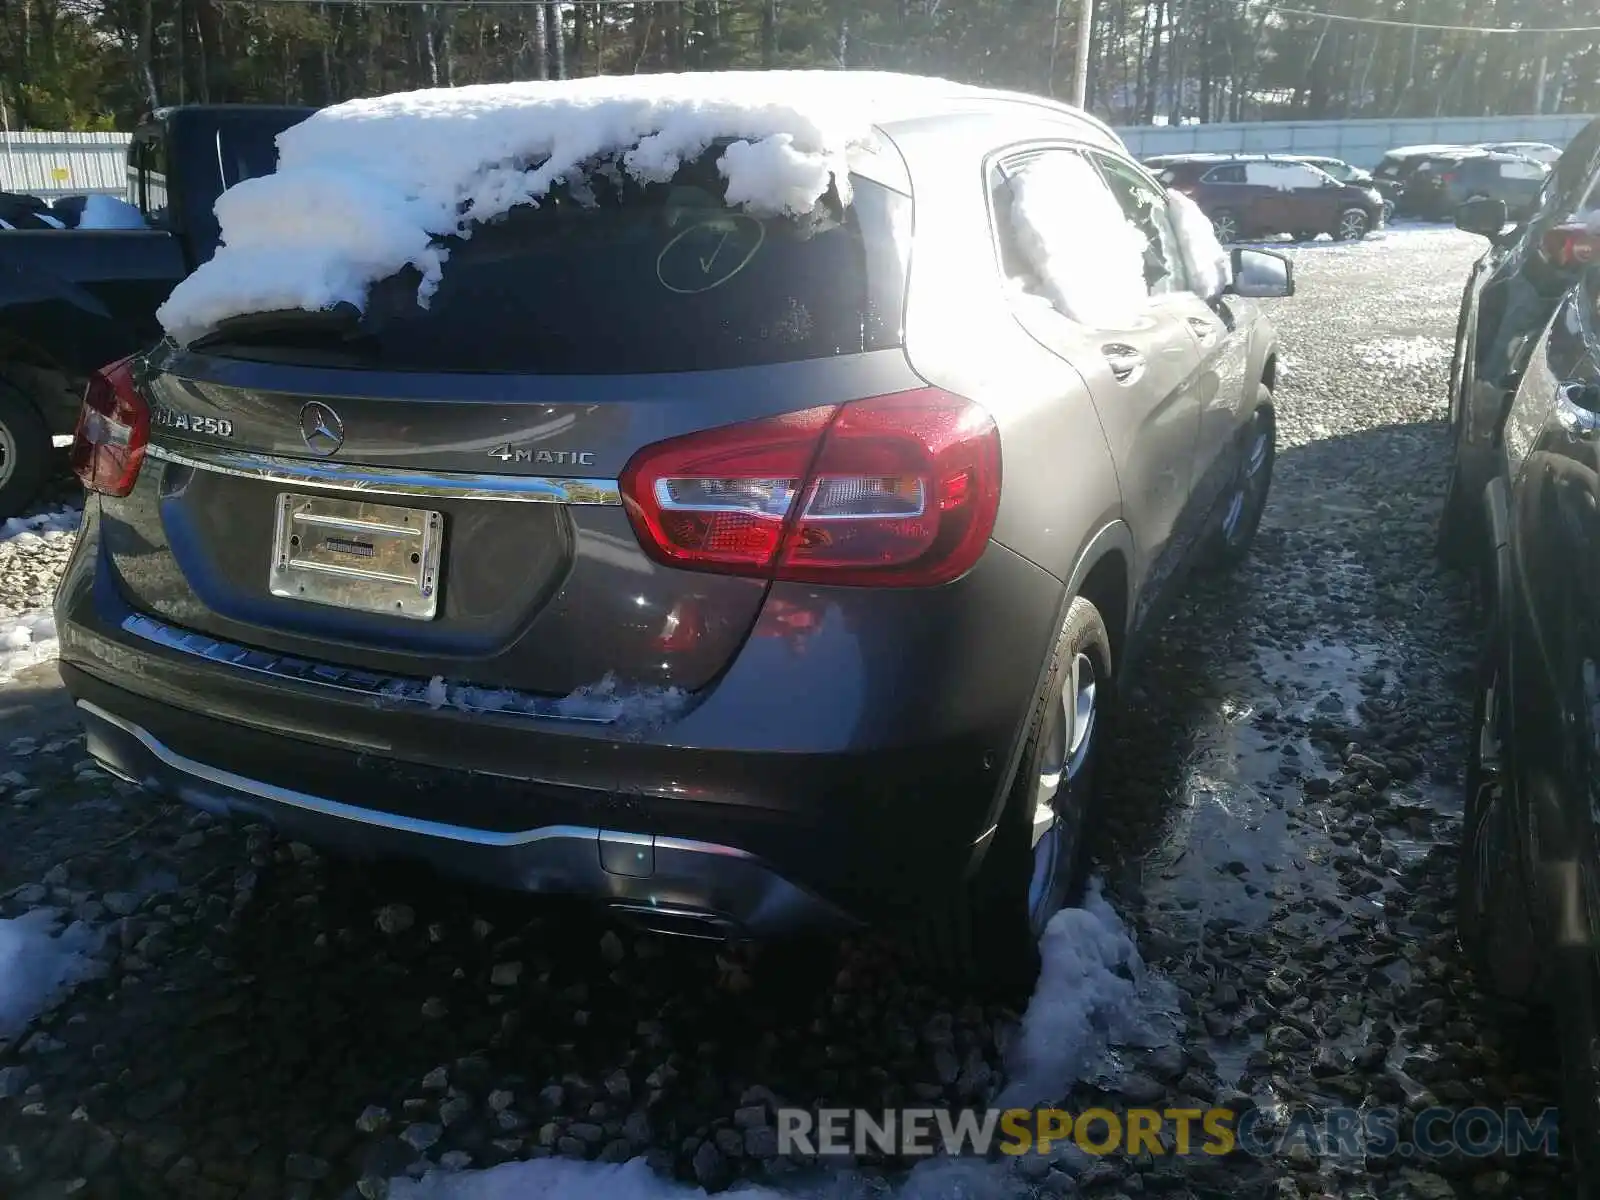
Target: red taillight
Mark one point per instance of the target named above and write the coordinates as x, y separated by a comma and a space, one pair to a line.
113, 429
1571, 246
898, 490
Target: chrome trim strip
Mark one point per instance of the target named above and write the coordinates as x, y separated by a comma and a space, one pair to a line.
390, 481
244, 785
369, 685
331, 808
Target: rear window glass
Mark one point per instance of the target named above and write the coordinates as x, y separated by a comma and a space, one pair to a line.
620, 278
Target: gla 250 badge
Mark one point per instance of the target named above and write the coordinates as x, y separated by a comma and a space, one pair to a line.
192, 423
505, 452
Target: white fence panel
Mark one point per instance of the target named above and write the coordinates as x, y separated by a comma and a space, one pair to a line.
1363, 143
63, 164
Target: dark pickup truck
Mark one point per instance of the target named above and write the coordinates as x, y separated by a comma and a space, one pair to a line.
73, 298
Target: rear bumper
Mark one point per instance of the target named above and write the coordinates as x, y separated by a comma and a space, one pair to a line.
676, 885
848, 761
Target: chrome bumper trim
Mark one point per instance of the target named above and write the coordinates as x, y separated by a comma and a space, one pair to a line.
390, 481
371, 684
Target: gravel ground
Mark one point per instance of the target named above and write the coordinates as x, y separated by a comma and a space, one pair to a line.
264, 1023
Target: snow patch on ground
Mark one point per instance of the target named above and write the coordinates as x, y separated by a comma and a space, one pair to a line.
39, 963
61, 520
25, 641
1093, 995
365, 188
1402, 352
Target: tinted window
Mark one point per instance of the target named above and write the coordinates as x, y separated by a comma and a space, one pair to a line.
1232, 173
637, 279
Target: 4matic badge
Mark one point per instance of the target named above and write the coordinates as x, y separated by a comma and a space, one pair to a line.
506, 452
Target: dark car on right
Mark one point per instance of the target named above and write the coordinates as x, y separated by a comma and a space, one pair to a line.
1443, 184
1529, 875
1258, 195
1509, 295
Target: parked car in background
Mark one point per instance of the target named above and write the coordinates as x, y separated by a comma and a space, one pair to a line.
1538, 151
1509, 296
84, 275
1529, 886
1392, 175
359, 571
1442, 184
1250, 196
1336, 168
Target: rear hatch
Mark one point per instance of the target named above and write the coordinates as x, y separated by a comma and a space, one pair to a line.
562, 340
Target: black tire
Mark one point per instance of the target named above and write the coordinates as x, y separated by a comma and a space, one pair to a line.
1352, 225
26, 453
1492, 914
1388, 212
985, 936
1459, 541
1226, 224
1245, 498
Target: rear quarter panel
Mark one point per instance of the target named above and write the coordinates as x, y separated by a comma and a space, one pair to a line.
1060, 487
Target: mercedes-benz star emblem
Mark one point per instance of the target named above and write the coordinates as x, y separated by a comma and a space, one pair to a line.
321, 428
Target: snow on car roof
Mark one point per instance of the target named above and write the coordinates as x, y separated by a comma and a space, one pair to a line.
367, 187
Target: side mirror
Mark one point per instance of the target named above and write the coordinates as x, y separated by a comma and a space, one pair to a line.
1262, 274
1483, 216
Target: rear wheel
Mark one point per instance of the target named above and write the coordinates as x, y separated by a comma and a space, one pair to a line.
1388, 212
1226, 225
25, 451
1491, 904
988, 933
1352, 225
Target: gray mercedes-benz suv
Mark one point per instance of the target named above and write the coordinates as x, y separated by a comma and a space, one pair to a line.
795, 598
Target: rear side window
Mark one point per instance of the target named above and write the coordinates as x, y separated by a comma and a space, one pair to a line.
1232, 173
1522, 169
620, 278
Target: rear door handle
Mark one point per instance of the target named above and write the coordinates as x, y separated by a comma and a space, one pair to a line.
1127, 363
1204, 329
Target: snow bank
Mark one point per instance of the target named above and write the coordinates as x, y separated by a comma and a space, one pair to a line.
38, 965
1210, 265
1093, 994
365, 188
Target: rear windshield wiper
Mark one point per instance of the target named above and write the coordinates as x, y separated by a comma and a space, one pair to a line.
339, 325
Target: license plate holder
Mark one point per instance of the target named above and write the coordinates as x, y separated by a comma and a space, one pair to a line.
353, 554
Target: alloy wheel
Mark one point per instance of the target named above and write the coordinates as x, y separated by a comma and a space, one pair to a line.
8, 456
1353, 226
1226, 228
1059, 794
1251, 480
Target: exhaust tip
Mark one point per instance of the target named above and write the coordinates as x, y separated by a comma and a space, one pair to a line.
679, 922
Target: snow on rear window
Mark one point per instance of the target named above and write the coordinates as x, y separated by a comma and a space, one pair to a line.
365, 188
1084, 253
